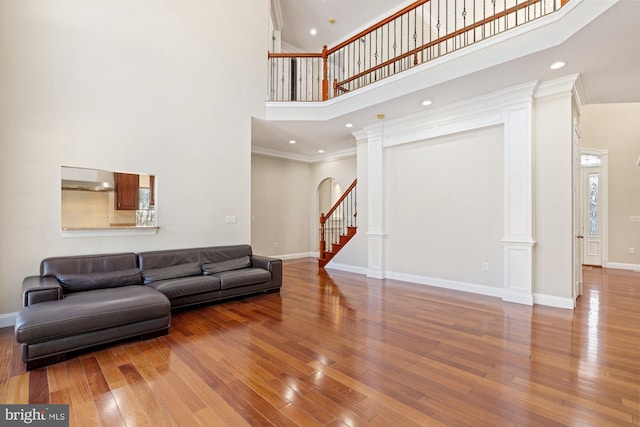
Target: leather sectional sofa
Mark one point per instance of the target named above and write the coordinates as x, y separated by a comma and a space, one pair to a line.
82, 301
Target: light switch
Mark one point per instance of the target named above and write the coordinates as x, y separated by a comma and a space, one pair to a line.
231, 219
634, 219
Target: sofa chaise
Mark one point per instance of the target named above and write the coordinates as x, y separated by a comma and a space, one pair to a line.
79, 302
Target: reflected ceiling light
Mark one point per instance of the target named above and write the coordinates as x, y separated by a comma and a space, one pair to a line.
320, 151
313, 32
557, 65
292, 141
426, 102
349, 125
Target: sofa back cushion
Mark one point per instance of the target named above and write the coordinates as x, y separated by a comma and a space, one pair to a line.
87, 264
226, 265
77, 282
166, 258
171, 272
223, 253
87, 272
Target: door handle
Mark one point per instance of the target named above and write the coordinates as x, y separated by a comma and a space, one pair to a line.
580, 236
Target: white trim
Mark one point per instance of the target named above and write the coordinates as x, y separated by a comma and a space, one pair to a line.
453, 285
346, 268
560, 87
295, 256
267, 152
110, 232
276, 15
7, 319
624, 266
553, 301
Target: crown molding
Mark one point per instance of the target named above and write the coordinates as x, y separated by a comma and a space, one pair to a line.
338, 155
276, 14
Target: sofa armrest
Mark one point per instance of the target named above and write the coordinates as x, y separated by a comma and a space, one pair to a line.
274, 265
37, 289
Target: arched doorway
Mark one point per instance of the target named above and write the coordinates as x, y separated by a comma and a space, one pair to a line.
329, 191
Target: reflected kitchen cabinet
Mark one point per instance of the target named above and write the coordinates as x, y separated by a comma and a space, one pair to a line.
127, 191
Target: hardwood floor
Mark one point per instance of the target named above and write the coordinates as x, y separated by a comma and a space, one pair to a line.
340, 349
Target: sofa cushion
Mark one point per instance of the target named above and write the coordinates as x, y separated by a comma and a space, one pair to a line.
183, 286
84, 312
244, 277
230, 264
88, 263
76, 282
171, 272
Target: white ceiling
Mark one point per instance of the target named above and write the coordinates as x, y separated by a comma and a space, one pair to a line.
606, 53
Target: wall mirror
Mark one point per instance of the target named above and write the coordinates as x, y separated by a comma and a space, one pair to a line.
100, 199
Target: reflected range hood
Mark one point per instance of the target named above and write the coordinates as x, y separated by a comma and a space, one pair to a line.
70, 184
80, 179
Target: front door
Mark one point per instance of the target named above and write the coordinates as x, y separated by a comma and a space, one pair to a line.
592, 209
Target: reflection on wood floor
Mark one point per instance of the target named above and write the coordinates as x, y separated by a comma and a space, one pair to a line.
340, 349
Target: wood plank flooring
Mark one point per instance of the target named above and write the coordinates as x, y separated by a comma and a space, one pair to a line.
338, 349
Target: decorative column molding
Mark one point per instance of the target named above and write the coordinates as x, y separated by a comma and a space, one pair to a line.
376, 264
518, 239
376, 251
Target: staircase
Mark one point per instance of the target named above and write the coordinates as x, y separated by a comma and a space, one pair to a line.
338, 226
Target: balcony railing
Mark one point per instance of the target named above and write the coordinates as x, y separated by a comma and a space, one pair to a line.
421, 32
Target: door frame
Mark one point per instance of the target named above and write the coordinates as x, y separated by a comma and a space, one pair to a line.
603, 191
577, 211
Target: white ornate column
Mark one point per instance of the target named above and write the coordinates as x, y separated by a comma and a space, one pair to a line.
376, 265
372, 136
518, 239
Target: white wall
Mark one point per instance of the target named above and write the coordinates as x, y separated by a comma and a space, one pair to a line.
518, 142
285, 202
614, 127
444, 207
280, 206
146, 86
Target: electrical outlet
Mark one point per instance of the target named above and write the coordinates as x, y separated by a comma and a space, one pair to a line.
485, 266
632, 251
275, 244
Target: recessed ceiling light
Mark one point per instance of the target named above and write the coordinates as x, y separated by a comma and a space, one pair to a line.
320, 151
292, 142
426, 102
313, 32
349, 125
557, 65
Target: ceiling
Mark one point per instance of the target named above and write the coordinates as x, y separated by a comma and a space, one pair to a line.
604, 52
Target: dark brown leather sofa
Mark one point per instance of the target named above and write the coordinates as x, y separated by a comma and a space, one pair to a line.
82, 301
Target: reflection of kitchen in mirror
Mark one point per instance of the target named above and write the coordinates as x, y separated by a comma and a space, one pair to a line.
99, 199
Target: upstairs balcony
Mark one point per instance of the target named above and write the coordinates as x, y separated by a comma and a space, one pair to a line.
421, 32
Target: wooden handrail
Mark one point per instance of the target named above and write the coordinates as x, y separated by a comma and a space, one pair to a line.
377, 25
323, 218
442, 39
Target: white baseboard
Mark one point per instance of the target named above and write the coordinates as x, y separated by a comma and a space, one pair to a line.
474, 288
448, 284
7, 319
347, 268
623, 266
296, 256
553, 301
